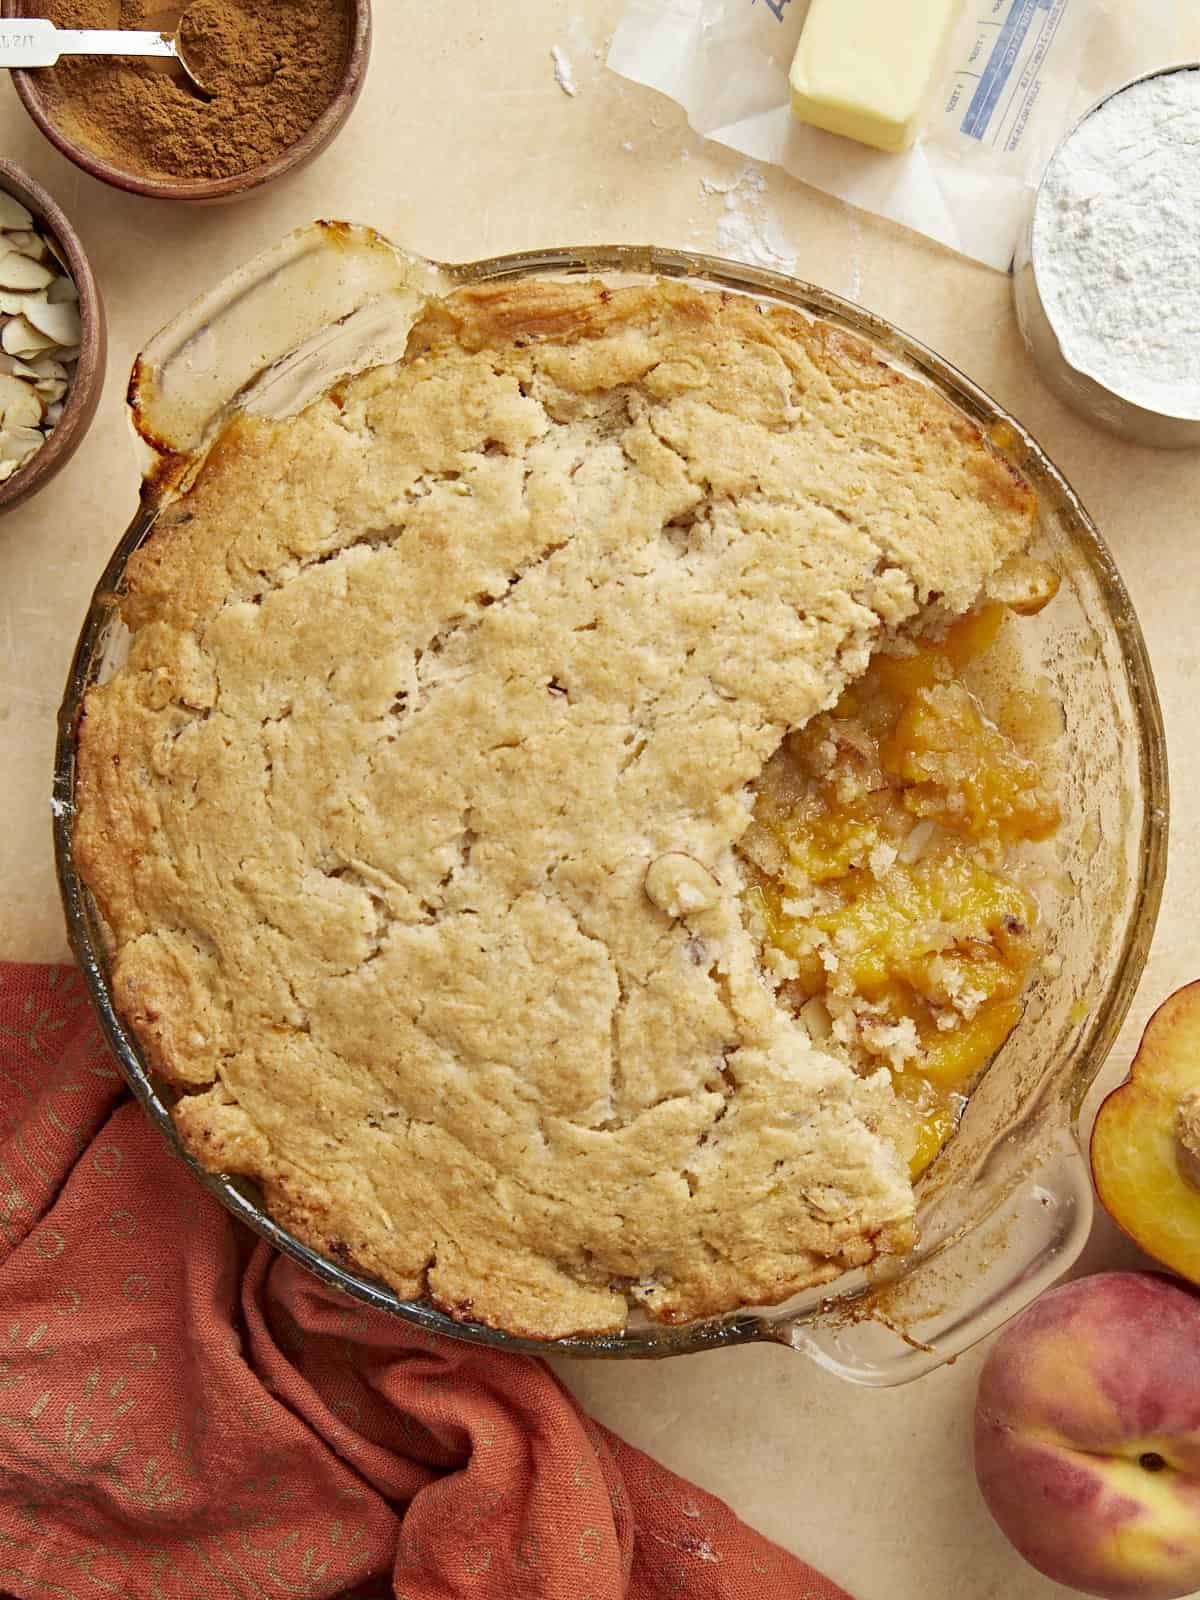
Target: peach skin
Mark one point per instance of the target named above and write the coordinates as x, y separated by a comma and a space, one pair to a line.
1087, 1436
1146, 1142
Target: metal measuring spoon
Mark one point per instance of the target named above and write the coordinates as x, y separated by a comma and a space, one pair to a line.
34, 42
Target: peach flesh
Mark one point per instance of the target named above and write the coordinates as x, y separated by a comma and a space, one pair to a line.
1087, 1436
1145, 1148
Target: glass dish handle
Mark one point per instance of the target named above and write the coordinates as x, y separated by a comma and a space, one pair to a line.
329, 298
1026, 1245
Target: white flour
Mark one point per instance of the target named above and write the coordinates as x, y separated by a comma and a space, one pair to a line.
854, 277
746, 230
1117, 245
564, 73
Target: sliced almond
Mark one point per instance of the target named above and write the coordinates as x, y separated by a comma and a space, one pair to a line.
12, 213
62, 289
51, 389
21, 338
56, 250
44, 367
54, 414
16, 444
814, 1014
60, 323
31, 413
1025, 585
20, 403
917, 843
13, 367
28, 243
7, 468
13, 305
68, 355
680, 885
19, 272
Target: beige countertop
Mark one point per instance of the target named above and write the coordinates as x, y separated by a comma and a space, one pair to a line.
464, 145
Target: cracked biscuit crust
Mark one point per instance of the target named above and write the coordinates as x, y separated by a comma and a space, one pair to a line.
413, 813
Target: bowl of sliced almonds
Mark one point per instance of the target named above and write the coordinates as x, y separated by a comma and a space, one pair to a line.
52, 338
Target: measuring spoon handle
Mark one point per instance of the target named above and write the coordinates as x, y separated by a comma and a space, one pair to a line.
35, 42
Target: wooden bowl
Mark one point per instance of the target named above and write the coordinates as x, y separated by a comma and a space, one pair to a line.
322, 133
83, 396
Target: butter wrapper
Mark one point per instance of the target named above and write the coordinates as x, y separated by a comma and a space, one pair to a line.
1017, 75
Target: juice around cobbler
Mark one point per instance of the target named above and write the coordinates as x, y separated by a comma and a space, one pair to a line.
887, 875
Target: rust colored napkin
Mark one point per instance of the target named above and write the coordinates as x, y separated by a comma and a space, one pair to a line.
185, 1414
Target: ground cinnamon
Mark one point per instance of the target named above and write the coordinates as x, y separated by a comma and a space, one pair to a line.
270, 66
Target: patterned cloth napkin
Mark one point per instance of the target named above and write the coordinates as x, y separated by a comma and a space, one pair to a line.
185, 1415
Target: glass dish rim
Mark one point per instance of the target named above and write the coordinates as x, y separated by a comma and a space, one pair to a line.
739, 1326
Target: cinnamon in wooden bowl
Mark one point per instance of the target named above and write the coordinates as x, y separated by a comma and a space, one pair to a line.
280, 77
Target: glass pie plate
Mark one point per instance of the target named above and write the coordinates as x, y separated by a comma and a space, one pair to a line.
1006, 1207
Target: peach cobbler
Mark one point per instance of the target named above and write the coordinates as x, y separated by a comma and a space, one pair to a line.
549, 831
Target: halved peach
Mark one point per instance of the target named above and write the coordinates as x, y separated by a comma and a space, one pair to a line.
1146, 1142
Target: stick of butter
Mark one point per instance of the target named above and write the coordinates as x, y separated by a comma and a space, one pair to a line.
865, 68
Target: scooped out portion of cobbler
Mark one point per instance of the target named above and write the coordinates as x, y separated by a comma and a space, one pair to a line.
890, 877
513, 861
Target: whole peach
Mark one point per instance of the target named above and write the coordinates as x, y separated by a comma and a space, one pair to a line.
1087, 1436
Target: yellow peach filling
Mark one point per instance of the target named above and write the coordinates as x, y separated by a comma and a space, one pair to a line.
884, 881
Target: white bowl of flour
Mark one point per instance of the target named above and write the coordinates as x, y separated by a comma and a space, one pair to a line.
1107, 276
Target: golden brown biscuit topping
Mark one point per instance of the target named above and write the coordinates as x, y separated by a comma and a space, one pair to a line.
414, 812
